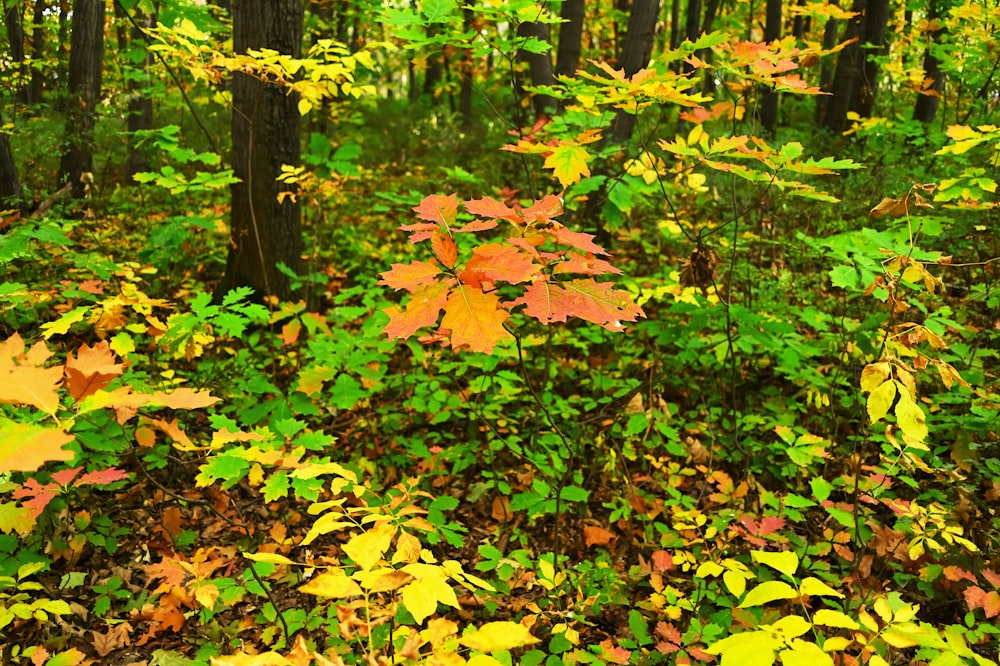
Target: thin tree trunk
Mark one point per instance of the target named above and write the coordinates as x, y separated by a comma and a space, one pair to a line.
140, 104
85, 71
266, 134
37, 50
15, 35
466, 72
847, 76
826, 69
873, 37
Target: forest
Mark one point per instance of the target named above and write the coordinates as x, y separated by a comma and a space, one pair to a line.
538, 332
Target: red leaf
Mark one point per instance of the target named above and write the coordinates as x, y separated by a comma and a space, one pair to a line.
422, 310
544, 211
954, 573
547, 302
584, 264
476, 225
411, 276
992, 577
579, 240
662, 560
39, 495
600, 303
502, 262
977, 597
614, 654
438, 208
102, 477
491, 208
474, 319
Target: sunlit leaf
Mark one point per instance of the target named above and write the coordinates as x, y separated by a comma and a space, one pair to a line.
767, 592
494, 636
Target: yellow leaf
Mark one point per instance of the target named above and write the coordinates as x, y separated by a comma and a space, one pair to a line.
790, 626
832, 618
429, 588
750, 648
708, 569
366, 549
836, 643
14, 518
407, 549
767, 592
873, 375
332, 584
494, 636
881, 607
911, 421
62, 325
816, 588
880, 400
382, 580
804, 653
25, 447
568, 163
786, 562
206, 595
735, 583
474, 319
867, 620
241, 659
273, 558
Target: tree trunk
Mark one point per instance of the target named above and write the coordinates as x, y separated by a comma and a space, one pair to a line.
539, 66
85, 70
692, 26
37, 50
10, 184
140, 104
927, 103
15, 35
636, 51
265, 130
466, 71
570, 37
769, 101
853, 86
826, 69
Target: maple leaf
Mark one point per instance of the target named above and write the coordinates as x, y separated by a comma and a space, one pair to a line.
422, 310
23, 380
568, 163
91, 369
474, 319
438, 208
489, 207
504, 262
25, 447
411, 276
545, 210
579, 240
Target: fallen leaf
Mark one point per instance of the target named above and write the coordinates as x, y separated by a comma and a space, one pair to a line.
597, 536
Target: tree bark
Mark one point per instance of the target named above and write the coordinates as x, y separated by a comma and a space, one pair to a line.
826, 69
926, 105
769, 101
85, 71
266, 133
140, 104
636, 51
37, 50
15, 35
539, 66
873, 37
11, 194
570, 37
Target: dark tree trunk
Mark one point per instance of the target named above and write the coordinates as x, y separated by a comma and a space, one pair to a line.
692, 26
37, 50
10, 184
873, 37
140, 104
800, 24
265, 128
826, 69
539, 66
847, 76
85, 70
927, 103
711, 10
636, 51
15, 35
769, 102
570, 37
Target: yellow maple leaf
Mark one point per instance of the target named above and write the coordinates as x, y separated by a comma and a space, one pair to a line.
568, 163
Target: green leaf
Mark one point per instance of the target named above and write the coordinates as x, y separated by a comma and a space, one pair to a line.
786, 562
640, 629
568, 163
821, 488
772, 590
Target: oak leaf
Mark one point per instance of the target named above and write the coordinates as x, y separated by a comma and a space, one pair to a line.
489, 207
24, 380
502, 262
601, 304
411, 276
474, 319
444, 249
26, 447
438, 208
91, 369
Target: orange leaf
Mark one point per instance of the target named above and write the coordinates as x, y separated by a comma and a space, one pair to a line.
502, 262
438, 208
411, 276
25, 447
474, 319
444, 249
597, 536
423, 309
23, 380
91, 369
